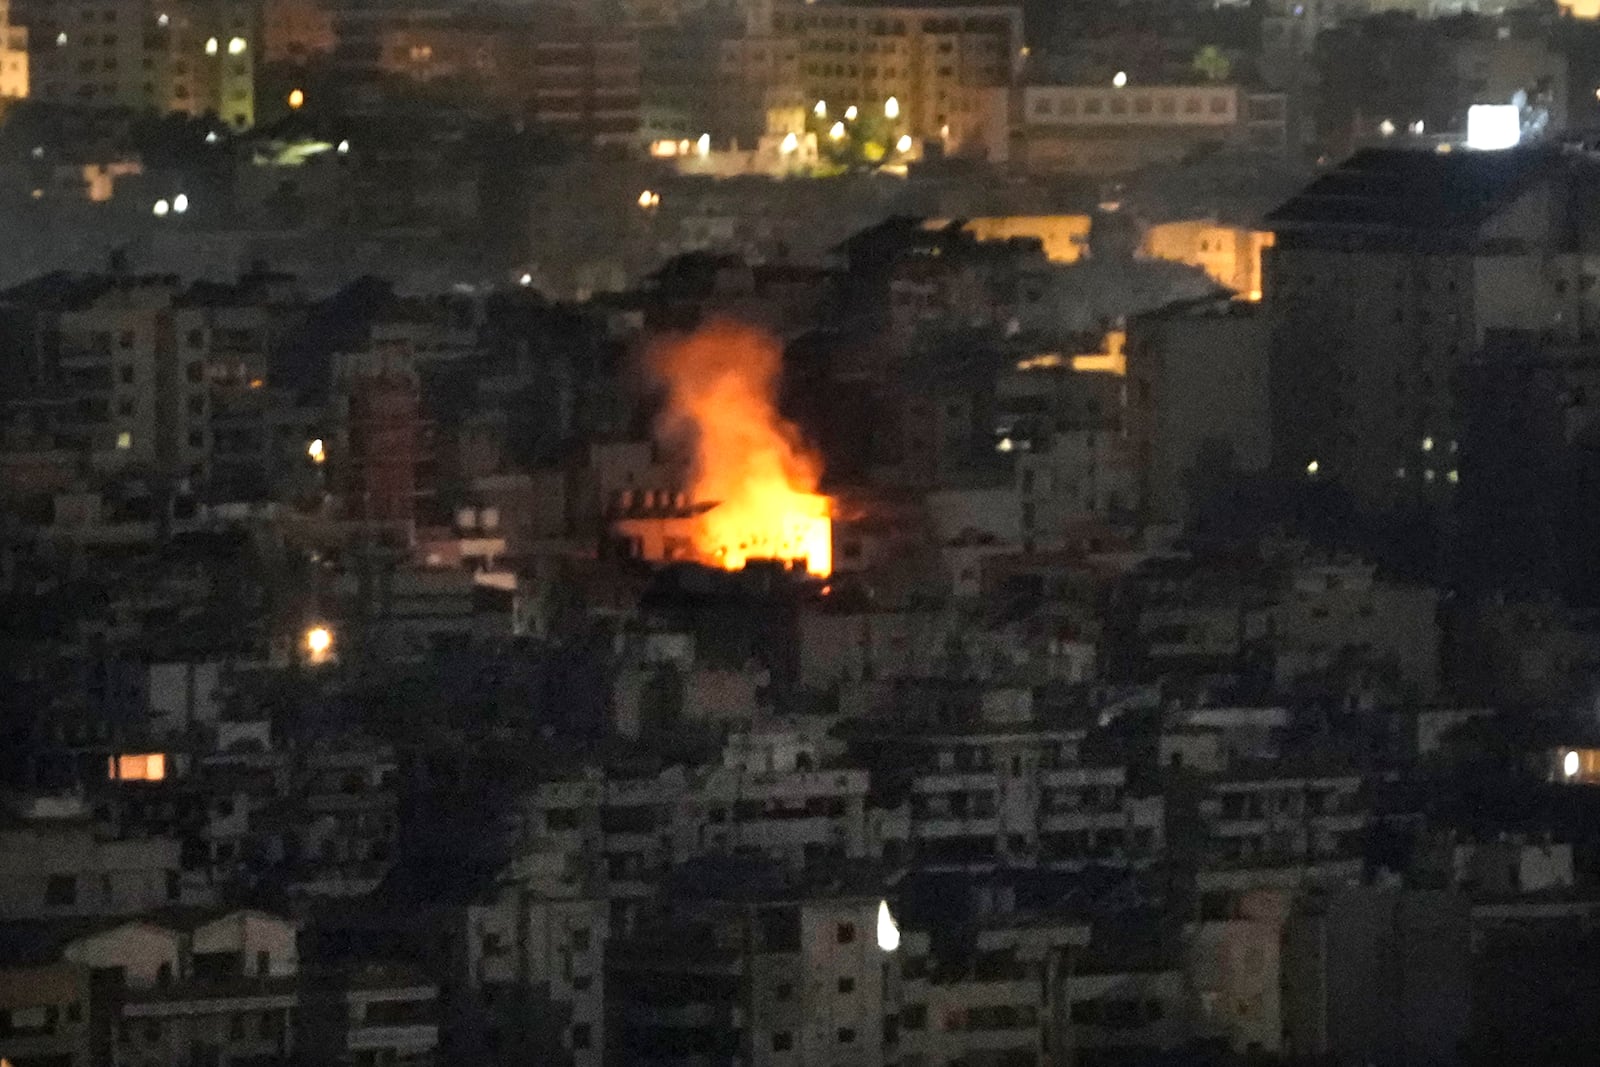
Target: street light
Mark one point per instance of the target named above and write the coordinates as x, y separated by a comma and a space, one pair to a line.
236, 46
790, 144
319, 644
180, 203
821, 110
903, 144
297, 99
317, 451
1119, 79
837, 132
850, 113
161, 209
891, 108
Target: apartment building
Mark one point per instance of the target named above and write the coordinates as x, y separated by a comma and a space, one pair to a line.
195, 57
1111, 129
1277, 826
948, 68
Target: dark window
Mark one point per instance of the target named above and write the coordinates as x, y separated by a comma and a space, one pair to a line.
125, 339
61, 891
127, 374
847, 985
581, 1036
197, 339
263, 962
782, 1041
580, 939
581, 982
196, 371
846, 1035
846, 933
174, 885
783, 991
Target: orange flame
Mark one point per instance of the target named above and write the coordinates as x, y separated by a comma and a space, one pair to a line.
748, 460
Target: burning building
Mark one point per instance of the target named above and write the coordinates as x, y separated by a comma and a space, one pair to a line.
752, 481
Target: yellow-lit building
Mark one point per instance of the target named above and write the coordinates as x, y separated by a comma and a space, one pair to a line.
949, 69
194, 57
1580, 9
1064, 237
13, 58
1231, 255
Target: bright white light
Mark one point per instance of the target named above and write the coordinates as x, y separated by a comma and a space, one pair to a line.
1419, 127
904, 143
703, 145
61, 39
1491, 127
212, 46
1453, 476
317, 451
1386, 127
237, 46
821, 110
1427, 444
212, 138
891, 108
888, 930
850, 113
790, 144
1005, 444
38, 151
344, 148
1313, 467
161, 208
163, 20
1571, 763
525, 280
180, 203
1119, 79
124, 441
837, 132
646, 198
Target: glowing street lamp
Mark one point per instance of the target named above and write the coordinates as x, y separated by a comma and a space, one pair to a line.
903, 145
850, 113
213, 46
648, 200
319, 644
161, 209
821, 110
790, 144
237, 46
1119, 79
891, 108
888, 929
317, 451
837, 132
297, 99
180, 203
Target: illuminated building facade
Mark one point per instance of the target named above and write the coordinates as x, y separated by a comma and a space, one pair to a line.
13, 58
195, 57
947, 67
1111, 129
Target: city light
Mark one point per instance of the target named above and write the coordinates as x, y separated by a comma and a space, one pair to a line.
891, 108
344, 148
526, 280
180, 203
703, 145
1427, 444
237, 46
1491, 127
1312, 468
821, 110
319, 643
161, 209
319, 453
1571, 763
850, 113
837, 132
888, 929
1119, 79
904, 143
648, 200
790, 144
213, 46
297, 99
163, 20
61, 39
1386, 127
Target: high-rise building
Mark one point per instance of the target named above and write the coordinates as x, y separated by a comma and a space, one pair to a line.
196, 57
1389, 275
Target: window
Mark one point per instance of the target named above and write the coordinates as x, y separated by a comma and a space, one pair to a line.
782, 1041
125, 407
125, 372
914, 1017
846, 1035
125, 339
783, 991
582, 1036
197, 439
582, 982
846, 933
236, 1027
580, 939
263, 962
197, 339
847, 985
124, 441
197, 404
174, 885
61, 891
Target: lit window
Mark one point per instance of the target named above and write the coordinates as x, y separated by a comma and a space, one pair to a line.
151, 767
124, 441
